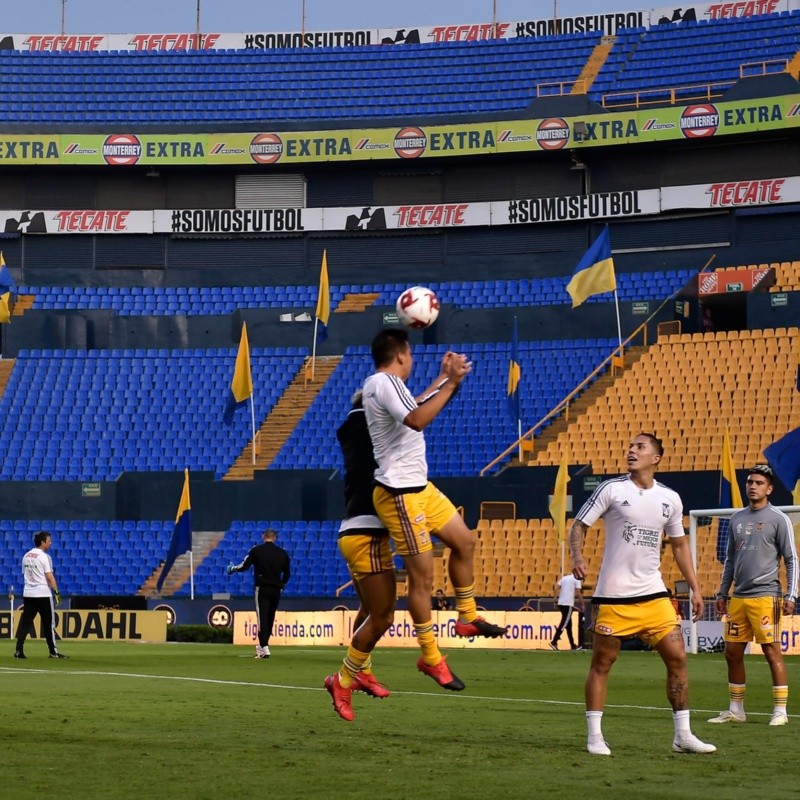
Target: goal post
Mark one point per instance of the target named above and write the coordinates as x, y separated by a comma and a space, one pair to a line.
703, 533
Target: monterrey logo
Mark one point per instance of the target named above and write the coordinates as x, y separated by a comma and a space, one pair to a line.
698, 122
122, 149
266, 148
410, 142
552, 134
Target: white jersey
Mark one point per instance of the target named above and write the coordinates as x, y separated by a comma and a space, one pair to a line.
568, 585
635, 520
399, 450
35, 563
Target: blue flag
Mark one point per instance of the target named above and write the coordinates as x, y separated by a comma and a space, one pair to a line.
514, 374
784, 455
182, 534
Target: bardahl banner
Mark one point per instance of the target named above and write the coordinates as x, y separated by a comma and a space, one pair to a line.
527, 630
702, 121
604, 24
105, 624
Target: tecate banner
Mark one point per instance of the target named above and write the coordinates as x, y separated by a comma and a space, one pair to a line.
603, 24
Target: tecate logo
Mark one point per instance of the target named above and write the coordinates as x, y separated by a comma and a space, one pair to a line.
266, 148
122, 149
410, 142
552, 134
697, 122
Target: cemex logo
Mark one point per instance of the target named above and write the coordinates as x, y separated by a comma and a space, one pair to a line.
367, 220
28, 222
401, 37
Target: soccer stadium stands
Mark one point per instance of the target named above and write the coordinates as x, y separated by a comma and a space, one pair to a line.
88, 416
744, 380
199, 88
173, 301
72, 415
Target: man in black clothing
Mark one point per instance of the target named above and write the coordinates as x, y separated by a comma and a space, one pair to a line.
271, 572
364, 544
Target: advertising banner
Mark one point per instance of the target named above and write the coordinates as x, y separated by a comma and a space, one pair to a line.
102, 625
527, 630
732, 194
530, 211
607, 24
77, 221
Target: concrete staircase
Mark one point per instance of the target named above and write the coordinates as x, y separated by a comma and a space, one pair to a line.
351, 303
203, 542
591, 69
6, 366
283, 419
578, 406
22, 302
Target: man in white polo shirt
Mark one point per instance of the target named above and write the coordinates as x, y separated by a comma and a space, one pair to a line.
40, 589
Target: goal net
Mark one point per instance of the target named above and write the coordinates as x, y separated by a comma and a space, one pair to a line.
708, 537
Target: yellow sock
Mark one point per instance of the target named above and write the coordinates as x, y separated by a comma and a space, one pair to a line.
780, 696
465, 602
351, 666
427, 642
367, 665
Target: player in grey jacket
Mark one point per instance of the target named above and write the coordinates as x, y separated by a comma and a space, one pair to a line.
760, 536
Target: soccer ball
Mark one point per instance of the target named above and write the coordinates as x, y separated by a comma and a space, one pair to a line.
417, 307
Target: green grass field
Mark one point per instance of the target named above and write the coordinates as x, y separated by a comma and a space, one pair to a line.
122, 721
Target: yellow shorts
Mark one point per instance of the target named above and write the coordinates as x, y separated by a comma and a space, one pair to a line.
366, 554
650, 620
751, 618
411, 518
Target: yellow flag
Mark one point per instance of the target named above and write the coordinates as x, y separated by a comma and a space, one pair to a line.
558, 504
729, 494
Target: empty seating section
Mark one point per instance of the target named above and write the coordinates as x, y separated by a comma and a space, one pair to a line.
686, 389
476, 426
513, 558
192, 301
90, 557
199, 88
317, 567
89, 415
691, 54
213, 88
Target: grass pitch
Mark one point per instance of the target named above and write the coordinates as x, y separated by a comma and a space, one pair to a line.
123, 721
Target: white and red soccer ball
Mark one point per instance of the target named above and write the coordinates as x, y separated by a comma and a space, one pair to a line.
417, 307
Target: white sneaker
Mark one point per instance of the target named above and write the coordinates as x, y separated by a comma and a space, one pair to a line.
260, 651
689, 743
729, 716
779, 718
598, 747
265, 651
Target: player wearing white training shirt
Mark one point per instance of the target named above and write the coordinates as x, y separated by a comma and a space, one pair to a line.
630, 595
40, 586
409, 505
